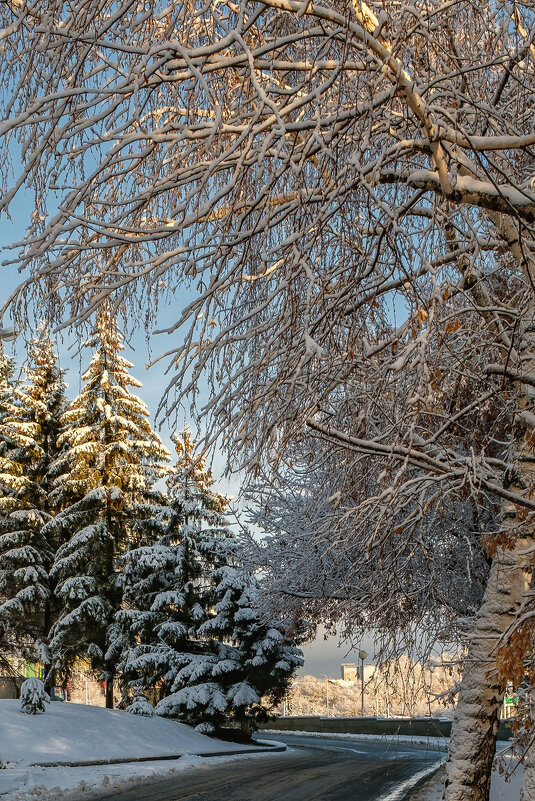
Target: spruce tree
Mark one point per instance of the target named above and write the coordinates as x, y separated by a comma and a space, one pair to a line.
191, 623
114, 459
268, 656
7, 369
29, 435
152, 599
166, 590
244, 663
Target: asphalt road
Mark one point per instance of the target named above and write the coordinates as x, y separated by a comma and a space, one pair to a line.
315, 769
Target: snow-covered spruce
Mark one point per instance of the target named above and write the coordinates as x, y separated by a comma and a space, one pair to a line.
167, 590
265, 657
33, 696
140, 706
30, 423
114, 457
188, 625
240, 666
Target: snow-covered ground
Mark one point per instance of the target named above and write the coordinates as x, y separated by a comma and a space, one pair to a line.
500, 789
76, 733
31, 746
70, 733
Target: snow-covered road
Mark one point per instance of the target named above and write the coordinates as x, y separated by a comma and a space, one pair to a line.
321, 769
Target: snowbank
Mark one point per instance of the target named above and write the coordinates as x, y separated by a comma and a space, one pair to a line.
68, 733
36, 750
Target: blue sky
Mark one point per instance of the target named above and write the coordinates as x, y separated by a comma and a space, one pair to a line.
75, 360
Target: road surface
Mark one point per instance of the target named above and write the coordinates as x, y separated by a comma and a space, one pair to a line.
315, 769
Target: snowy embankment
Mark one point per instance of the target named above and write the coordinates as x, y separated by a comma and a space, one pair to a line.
37, 750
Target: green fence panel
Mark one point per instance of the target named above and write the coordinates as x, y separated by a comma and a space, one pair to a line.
415, 727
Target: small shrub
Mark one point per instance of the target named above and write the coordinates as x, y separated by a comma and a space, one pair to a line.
140, 706
205, 728
33, 696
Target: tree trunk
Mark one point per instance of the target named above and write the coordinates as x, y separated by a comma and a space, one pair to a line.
528, 785
246, 725
50, 676
473, 737
473, 740
109, 692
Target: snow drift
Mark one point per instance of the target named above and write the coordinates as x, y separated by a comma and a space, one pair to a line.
68, 733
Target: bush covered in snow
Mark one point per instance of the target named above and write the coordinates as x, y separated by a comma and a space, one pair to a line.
205, 728
33, 696
140, 706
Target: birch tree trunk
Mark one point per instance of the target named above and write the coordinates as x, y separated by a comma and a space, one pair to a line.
528, 785
473, 739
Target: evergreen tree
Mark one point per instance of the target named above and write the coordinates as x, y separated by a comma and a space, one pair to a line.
153, 621
30, 423
267, 654
244, 663
166, 592
7, 369
33, 696
114, 459
191, 624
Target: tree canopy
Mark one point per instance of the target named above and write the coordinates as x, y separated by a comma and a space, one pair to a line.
348, 189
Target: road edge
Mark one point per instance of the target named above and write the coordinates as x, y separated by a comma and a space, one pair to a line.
261, 749
422, 788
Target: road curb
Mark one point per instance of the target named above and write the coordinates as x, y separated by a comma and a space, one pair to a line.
165, 758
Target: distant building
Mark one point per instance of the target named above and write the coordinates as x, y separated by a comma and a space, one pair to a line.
13, 671
10, 686
349, 671
352, 673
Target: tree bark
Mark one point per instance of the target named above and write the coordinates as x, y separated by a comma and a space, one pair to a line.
473, 737
109, 692
528, 785
473, 740
247, 727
